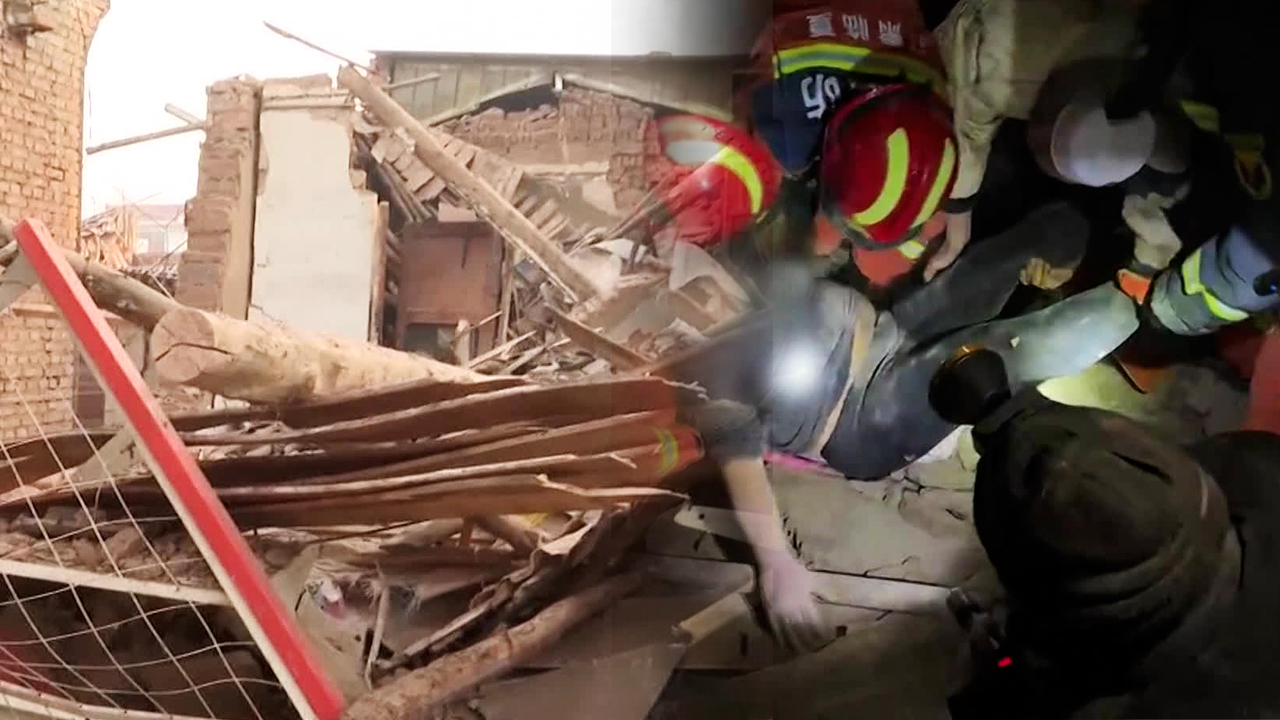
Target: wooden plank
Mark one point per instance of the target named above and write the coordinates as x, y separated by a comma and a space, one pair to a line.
448, 678
481, 409
493, 169
431, 190
382, 147
619, 356
136, 139
468, 498
512, 181
34, 459
556, 225
466, 154
417, 176
343, 457
599, 471
584, 439
337, 407
501, 350
527, 204
515, 228
377, 290
399, 84
545, 212
403, 163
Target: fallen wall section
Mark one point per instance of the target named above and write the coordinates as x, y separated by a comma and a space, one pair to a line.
317, 229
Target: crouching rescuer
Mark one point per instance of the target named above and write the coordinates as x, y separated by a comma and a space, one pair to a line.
1140, 576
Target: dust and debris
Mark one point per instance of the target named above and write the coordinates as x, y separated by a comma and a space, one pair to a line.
157, 551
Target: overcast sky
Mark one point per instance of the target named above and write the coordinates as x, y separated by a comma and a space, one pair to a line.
150, 52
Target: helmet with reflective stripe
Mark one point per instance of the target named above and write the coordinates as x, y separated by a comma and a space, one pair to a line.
888, 161
723, 178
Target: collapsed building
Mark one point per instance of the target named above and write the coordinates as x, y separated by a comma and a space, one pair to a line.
462, 451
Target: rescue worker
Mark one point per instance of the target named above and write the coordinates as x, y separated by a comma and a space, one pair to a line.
853, 111
851, 102
1139, 576
844, 138
716, 180
999, 54
1229, 225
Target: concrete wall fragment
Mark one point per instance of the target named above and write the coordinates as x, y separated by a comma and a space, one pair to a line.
316, 229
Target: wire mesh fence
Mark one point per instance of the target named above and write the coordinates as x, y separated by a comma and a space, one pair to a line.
107, 601
125, 591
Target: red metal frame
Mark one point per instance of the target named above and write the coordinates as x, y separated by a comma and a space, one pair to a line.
244, 582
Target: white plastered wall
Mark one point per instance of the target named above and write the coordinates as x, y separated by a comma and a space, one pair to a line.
316, 227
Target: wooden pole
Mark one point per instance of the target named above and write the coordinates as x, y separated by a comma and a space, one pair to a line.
183, 115
415, 695
244, 361
509, 260
111, 290
290, 36
412, 81
517, 229
125, 142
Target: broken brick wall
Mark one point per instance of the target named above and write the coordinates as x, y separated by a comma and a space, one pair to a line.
215, 271
41, 131
585, 127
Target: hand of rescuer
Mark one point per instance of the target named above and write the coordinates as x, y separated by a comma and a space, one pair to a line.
1155, 243
959, 227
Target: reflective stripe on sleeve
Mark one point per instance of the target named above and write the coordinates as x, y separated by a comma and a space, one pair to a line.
1191, 285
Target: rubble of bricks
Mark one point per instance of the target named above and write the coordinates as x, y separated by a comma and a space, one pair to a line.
585, 126
41, 131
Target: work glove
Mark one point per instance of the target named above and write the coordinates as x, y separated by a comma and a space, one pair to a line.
1154, 243
1039, 273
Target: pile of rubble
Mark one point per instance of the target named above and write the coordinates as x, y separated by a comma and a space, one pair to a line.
502, 492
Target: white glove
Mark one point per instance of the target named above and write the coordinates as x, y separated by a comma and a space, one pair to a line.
1155, 242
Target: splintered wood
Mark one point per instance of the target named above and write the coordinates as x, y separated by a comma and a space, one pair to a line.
375, 458
512, 492
489, 203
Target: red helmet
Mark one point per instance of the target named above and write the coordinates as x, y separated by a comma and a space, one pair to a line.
721, 181
888, 161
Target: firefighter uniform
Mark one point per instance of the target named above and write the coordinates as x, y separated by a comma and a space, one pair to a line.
817, 58
1223, 48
